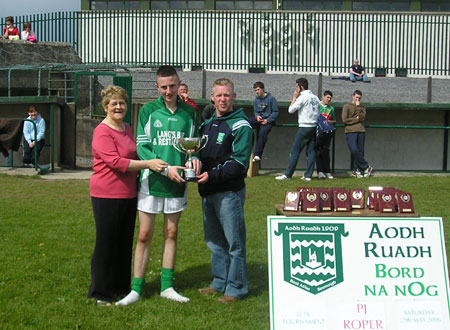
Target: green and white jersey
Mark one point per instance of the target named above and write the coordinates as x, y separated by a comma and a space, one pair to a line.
157, 128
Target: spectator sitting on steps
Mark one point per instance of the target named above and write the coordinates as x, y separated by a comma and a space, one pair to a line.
30, 140
357, 72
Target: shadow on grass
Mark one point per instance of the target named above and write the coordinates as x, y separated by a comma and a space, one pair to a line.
200, 276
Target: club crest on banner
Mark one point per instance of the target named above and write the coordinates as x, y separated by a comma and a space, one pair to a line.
312, 255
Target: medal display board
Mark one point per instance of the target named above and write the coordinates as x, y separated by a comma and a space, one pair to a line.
353, 202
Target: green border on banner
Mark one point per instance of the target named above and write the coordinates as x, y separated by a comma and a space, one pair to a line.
270, 233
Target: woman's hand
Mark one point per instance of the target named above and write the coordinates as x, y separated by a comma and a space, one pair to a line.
174, 175
157, 165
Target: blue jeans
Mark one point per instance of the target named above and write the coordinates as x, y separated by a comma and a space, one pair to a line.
225, 236
306, 136
363, 78
263, 132
355, 142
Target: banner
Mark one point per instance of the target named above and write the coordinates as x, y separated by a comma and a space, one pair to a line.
333, 273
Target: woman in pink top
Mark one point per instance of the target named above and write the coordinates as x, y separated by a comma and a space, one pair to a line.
113, 189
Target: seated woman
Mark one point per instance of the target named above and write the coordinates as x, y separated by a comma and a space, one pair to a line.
27, 34
113, 189
10, 32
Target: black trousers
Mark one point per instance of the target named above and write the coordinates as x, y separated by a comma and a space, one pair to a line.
111, 261
28, 153
322, 152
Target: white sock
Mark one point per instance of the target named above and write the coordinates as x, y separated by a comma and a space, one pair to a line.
171, 294
130, 298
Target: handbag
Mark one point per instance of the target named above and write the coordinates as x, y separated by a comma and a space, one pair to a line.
324, 126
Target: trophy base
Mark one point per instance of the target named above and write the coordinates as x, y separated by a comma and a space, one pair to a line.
189, 175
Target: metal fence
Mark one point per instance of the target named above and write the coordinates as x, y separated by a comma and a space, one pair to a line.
278, 41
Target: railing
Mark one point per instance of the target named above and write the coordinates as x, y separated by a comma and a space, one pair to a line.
51, 27
280, 41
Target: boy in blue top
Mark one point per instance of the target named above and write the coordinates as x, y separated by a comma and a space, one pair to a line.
31, 140
265, 108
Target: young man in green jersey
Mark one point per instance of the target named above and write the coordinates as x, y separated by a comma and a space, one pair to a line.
160, 122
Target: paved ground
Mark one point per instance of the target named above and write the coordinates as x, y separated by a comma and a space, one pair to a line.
85, 174
59, 174
381, 90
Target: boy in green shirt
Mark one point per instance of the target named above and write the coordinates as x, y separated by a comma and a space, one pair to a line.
160, 122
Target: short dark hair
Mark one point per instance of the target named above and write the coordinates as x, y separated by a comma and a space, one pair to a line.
327, 92
357, 92
166, 71
26, 25
9, 19
32, 108
183, 84
302, 82
259, 84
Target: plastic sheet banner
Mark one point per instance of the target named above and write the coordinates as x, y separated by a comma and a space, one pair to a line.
337, 273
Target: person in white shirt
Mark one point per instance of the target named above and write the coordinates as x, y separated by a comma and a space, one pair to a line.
32, 140
27, 34
307, 105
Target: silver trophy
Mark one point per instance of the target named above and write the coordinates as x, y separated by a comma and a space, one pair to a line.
190, 146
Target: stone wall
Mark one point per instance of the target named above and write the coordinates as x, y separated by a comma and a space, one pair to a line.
13, 53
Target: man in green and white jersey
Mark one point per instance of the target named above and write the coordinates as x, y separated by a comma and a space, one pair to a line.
160, 122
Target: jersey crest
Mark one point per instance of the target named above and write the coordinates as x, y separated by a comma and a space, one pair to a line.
157, 123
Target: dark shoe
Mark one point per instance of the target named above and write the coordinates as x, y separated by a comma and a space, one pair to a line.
207, 291
353, 80
227, 299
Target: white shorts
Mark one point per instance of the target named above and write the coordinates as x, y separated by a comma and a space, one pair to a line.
154, 204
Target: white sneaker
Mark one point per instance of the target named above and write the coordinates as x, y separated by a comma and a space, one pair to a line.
171, 294
368, 171
321, 175
305, 178
329, 176
281, 177
256, 159
357, 174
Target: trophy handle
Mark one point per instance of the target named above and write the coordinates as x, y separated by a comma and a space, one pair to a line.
175, 145
204, 138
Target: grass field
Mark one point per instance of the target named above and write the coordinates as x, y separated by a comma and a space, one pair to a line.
47, 237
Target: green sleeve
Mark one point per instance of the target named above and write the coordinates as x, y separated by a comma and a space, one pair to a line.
242, 145
143, 141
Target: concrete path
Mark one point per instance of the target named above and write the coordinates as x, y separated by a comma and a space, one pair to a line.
281, 86
59, 174
85, 174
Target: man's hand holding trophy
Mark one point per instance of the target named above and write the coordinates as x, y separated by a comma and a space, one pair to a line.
190, 146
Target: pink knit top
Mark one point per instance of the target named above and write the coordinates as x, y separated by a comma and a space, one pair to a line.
112, 151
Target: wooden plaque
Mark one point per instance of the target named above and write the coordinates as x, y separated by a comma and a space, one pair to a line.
310, 201
405, 202
291, 201
357, 198
341, 200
